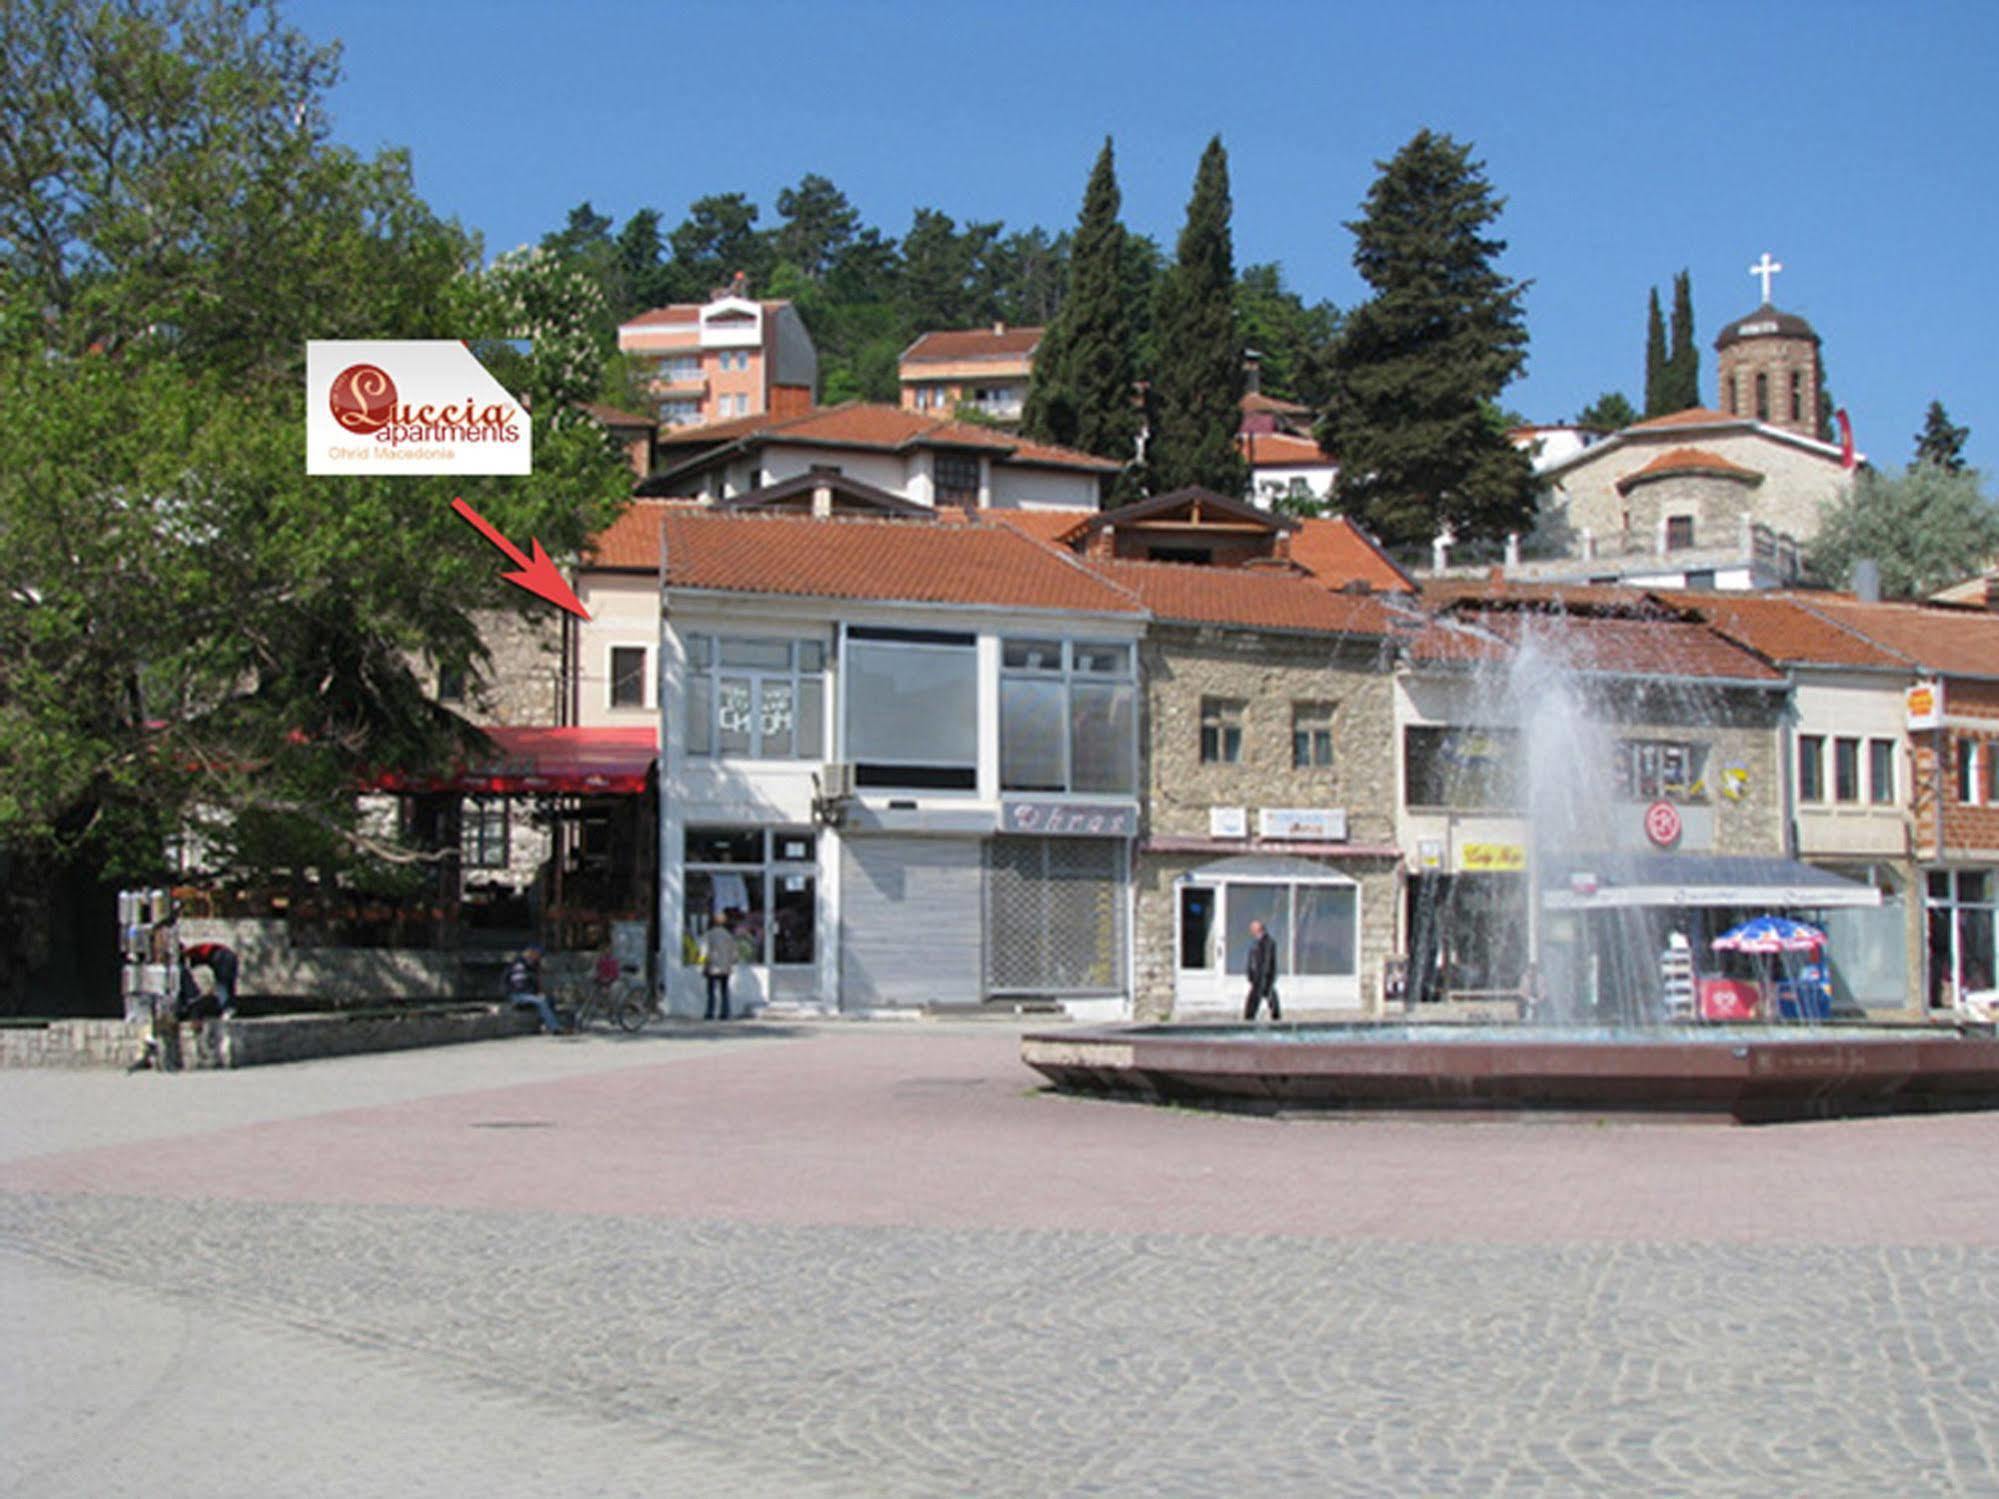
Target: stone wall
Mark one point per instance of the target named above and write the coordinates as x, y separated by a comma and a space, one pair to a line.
271, 966
259, 1042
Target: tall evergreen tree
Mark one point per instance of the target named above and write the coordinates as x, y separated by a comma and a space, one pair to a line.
1941, 442
1683, 363
1197, 385
1082, 388
1655, 359
1421, 364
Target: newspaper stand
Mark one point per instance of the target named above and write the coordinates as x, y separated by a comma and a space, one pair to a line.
149, 939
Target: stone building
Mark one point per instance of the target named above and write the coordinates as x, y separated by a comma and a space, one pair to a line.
1767, 368
1269, 786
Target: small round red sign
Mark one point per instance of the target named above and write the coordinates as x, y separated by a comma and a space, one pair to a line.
1662, 824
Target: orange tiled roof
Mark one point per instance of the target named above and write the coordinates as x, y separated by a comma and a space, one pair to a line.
1256, 598
1281, 450
684, 312
1784, 630
612, 416
1947, 641
911, 561
1595, 597
1057, 527
1690, 461
949, 345
1256, 400
863, 424
1693, 416
1337, 552
1612, 646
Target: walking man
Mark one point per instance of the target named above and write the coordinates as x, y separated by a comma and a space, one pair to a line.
718, 961
1262, 969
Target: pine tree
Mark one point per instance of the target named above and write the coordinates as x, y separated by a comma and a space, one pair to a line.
1941, 442
1082, 389
1609, 412
1197, 387
1683, 364
1421, 365
1655, 359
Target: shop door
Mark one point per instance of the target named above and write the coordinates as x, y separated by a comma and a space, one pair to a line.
911, 922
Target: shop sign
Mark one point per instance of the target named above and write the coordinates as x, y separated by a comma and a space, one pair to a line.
1069, 819
1324, 824
1662, 824
1492, 856
1429, 853
1228, 822
1925, 704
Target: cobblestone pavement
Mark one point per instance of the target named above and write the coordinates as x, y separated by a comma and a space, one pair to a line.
874, 1261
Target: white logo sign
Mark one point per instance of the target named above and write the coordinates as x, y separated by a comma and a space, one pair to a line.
409, 406
1328, 824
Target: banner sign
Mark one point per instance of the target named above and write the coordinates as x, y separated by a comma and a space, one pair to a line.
1069, 819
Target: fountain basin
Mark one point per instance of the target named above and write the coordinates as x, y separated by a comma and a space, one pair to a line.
1750, 1074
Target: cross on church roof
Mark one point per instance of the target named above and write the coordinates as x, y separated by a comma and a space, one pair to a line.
1766, 268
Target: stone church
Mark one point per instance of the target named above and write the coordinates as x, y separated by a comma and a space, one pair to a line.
1727, 498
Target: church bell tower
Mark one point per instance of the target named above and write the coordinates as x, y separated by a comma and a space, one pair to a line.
1767, 365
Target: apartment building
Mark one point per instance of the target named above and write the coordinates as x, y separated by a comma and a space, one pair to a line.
729, 357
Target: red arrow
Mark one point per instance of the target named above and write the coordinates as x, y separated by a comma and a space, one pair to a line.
539, 577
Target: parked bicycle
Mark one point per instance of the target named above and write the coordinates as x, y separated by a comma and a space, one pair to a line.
621, 1001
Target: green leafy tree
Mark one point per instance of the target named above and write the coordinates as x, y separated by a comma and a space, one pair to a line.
1084, 383
717, 239
943, 283
1609, 412
1421, 364
187, 620
1682, 380
1941, 442
1925, 529
1197, 379
817, 223
1030, 269
1294, 342
645, 280
1655, 358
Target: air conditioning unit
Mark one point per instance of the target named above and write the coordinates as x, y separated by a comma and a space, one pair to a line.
837, 781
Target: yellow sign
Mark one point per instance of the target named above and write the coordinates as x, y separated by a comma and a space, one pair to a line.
1925, 701
1486, 856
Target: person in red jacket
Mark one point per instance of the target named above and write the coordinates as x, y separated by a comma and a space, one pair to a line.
218, 960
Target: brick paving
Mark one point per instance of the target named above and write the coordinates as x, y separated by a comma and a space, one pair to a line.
876, 1260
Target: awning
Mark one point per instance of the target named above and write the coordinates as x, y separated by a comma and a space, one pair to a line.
545, 762
1614, 881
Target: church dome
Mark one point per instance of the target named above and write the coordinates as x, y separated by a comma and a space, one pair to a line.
1765, 322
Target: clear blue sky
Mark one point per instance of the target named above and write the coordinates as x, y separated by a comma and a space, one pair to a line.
1855, 142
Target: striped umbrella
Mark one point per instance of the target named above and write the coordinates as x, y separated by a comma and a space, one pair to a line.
1771, 934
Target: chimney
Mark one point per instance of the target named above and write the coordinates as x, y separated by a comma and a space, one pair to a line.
1512, 549
998, 329
1867, 581
1992, 592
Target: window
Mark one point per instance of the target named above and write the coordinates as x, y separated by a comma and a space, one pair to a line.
1762, 397
764, 881
679, 413
1733, 408
1701, 579
1650, 770
1221, 731
1311, 735
957, 478
1881, 771
628, 676
1811, 767
1316, 927
1194, 556
1846, 770
482, 832
912, 708
680, 369
755, 697
1967, 770
1679, 533
1463, 767
1797, 396
451, 684
1068, 716
1962, 914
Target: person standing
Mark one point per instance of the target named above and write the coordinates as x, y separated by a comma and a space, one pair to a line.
1261, 967
718, 961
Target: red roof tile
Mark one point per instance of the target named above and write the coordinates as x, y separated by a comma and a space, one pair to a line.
1784, 630
866, 425
1337, 552
1689, 461
611, 416
1057, 527
1255, 598
952, 344
1281, 450
908, 561
1693, 416
1949, 642
1594, 643
1256, 400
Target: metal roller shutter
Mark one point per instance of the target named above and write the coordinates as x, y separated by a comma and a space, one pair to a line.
910, 918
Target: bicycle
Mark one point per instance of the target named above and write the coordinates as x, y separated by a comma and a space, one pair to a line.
623, 1003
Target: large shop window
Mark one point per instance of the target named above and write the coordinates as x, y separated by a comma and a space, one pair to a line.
1467, 768
1963, 905
1068, 716
762, 881
755, 698
912, 708
1316, 928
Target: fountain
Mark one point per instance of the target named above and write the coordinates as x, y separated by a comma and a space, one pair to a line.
1601, 1031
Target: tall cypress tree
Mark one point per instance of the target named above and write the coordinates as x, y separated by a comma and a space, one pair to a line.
1082, 389
1941, 442
1683, 364
1197, 389
1655, 359
1420, 366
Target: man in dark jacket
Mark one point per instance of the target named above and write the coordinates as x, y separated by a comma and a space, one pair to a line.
1262, 970
524, 988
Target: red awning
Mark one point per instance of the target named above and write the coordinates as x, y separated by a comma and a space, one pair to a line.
562, 762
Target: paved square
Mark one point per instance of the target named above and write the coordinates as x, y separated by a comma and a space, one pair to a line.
877, 1260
